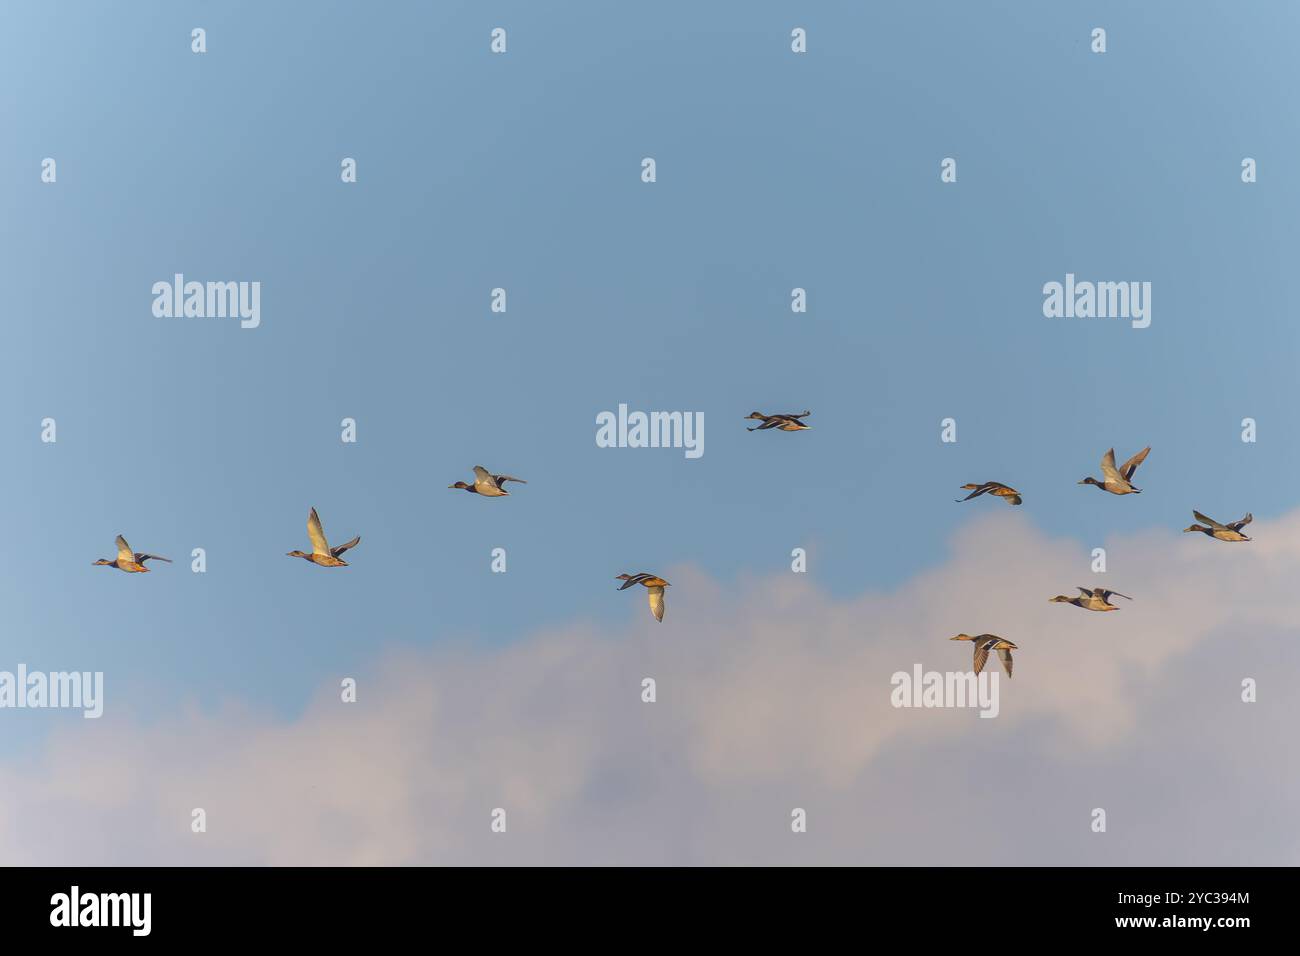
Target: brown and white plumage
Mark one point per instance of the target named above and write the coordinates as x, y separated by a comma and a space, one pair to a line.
1118, 481
321, 553
128, 560
1221, 532
989, 642
997, 488
1091, 599
654, 586
786, 422
487, 484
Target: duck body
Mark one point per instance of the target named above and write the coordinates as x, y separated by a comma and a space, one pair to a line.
1118, 481
989, 642
654, 586
322, 555
996, 488
784, 422
321, 560
129, 561
1091, 599
487, 484
1221, 532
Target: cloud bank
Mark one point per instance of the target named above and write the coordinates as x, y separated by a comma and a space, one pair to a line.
771, 695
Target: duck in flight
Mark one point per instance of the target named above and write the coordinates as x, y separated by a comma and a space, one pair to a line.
989, 642
654, 586
1117, 480
1091, 599
1005, 492
487, 484
787, 423
128, 560
1221, 532
321, 552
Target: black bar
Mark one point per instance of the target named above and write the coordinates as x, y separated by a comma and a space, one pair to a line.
326, 905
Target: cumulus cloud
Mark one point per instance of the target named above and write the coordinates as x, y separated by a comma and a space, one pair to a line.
771, 695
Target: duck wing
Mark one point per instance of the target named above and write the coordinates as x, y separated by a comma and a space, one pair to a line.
500, 478
1131, 465
124, 552
981, 655
317, 534
1106, 595
142, 558
483, 477
1238, 525
1004, 655
1210, 521
1108, 467
344, 547
657, 602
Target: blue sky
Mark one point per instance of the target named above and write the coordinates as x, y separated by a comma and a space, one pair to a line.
475, 171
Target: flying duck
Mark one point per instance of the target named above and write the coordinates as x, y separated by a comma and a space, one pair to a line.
1116, 480
1092, 599
321, 552
1005, 492
1223, 532
487, 484
654, 586
787, 423
989, 642
128, 560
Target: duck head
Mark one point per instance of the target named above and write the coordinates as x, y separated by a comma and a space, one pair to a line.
1060, 599
297, 554
1090, 481
103, 561
962, 637
1196, 527
755, 415
462, 485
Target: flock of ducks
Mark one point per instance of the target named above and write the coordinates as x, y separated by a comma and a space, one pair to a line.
1116, 480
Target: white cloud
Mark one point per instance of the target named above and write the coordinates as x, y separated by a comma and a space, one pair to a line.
771, 695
